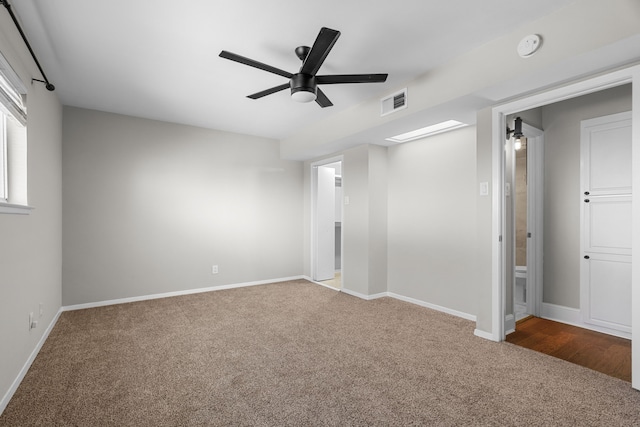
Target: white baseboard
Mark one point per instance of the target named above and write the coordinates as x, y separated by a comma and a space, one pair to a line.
572, 316
415, 301
14, 386
176, 293
486, 335
363, 296
509, 324
562, 314
433, 306
412, 301
379, 295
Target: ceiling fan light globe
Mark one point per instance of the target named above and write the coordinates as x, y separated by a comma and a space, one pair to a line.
303, 96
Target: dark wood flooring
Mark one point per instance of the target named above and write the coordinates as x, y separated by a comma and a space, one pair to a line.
601, 352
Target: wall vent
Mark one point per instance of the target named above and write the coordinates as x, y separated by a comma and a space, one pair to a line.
393, 103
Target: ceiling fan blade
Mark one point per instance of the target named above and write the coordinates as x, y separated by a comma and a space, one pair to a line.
269, 91
322, 99
252, 63
319, 51
351, 78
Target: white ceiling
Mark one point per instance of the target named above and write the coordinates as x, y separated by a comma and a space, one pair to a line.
158, 59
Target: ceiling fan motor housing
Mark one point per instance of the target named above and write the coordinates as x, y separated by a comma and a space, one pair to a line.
303, 87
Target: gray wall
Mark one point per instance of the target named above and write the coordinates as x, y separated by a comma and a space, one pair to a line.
151, 206
410, 225
561, 124
30, 245
378, 219
432, 220
355, 225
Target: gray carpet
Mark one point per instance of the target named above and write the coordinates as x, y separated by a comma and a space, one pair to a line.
297, 354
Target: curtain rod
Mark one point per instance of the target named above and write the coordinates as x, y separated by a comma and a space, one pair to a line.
48, 85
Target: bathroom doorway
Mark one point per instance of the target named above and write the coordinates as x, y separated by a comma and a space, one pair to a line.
327, 223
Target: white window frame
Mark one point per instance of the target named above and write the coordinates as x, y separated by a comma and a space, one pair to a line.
3, 159
13, 157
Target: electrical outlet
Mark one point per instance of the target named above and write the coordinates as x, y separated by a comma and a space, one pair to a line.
41, 309
214, 269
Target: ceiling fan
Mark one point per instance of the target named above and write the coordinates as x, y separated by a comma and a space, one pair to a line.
304, 83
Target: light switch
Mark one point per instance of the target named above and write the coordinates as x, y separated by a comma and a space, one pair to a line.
346, 200
484, 188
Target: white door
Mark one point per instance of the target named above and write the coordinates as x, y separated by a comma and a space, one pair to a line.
605, 275
324, 230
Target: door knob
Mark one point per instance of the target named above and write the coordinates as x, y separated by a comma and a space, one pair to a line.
587, 257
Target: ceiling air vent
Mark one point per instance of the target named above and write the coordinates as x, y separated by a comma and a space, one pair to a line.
393, 103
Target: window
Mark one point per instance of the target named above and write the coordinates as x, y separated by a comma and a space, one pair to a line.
3, 159
13, 142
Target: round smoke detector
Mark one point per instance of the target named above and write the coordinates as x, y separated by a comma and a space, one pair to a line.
529, 45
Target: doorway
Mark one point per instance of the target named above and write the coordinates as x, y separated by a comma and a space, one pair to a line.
327, 196
500, 257
589, 152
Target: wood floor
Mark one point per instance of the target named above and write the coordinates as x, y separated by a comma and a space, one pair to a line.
601, 352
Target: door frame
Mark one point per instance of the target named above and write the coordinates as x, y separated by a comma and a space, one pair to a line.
535, 211
535, 216
498, 256
314, 202
535, 219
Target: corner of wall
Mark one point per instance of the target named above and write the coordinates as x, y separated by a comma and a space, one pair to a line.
378, 197
483, 260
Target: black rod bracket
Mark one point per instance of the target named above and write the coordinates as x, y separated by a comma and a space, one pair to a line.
48, 84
